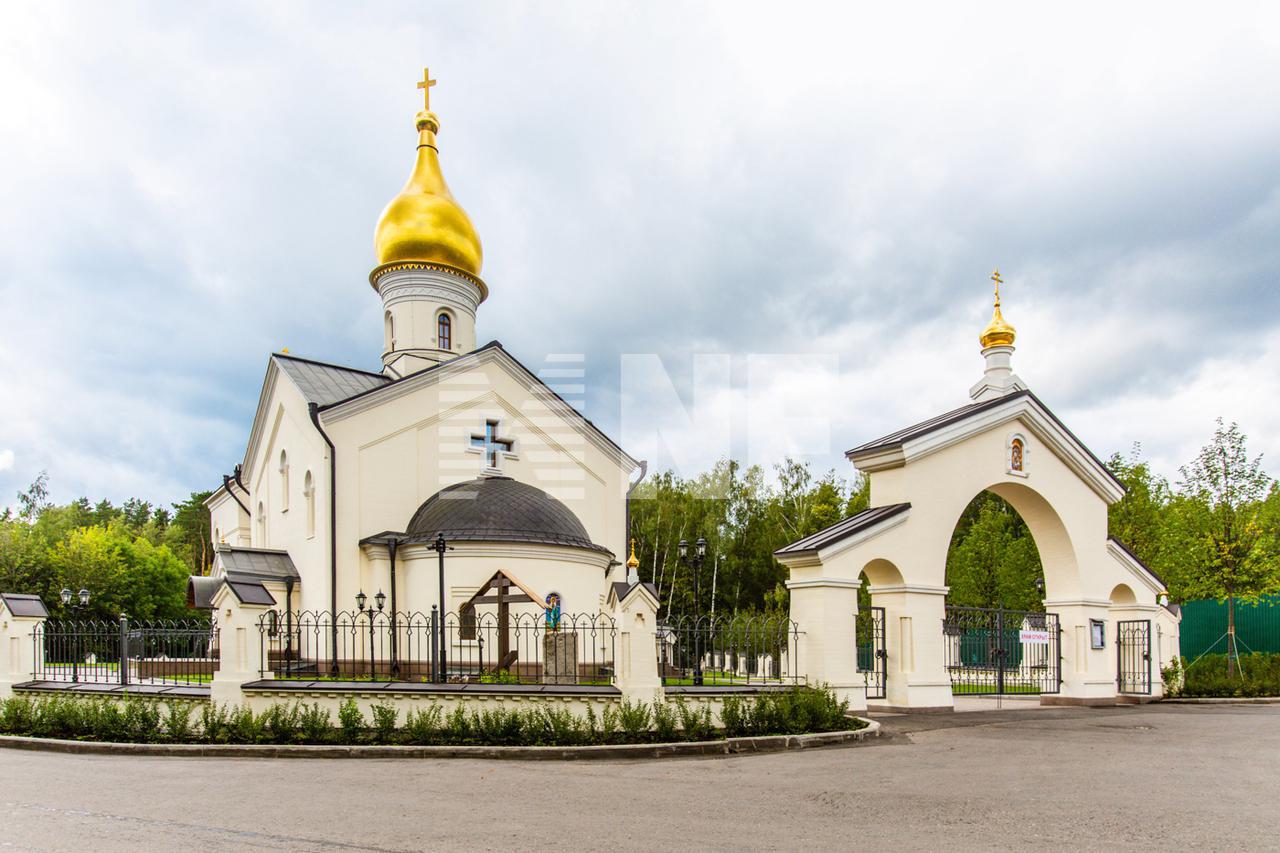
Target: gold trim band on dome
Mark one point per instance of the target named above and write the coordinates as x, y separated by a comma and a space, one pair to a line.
393, 266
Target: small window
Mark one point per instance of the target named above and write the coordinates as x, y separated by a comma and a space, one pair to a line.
284, 481
262, 525
309, 494
391, 332
444, 331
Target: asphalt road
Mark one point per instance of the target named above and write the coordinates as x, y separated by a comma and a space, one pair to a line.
1157, 777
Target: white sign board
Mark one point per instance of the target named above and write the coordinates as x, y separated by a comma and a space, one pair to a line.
1034, 637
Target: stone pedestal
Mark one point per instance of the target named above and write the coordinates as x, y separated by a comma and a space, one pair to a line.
560, 657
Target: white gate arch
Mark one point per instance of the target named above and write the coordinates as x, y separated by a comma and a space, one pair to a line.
1008, 442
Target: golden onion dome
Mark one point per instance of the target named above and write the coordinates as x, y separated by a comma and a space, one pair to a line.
424, 223
633, 562
999, 332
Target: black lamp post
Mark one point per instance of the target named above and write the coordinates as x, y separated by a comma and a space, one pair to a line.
1040, 587
361, 600
440, 546
696, 560
67, 601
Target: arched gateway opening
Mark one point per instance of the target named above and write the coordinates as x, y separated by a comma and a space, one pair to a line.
997, 637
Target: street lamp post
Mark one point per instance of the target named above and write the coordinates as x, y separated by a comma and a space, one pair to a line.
67, 601
440, 546
696, 560
361, 600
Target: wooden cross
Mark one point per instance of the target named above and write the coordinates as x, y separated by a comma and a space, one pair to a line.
425, 85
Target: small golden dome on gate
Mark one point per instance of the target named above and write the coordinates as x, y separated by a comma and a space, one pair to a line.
999, 332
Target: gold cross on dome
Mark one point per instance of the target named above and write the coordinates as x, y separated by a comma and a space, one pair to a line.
995, 276
425, 85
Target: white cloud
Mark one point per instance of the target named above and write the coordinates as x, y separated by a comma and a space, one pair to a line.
836, 181
6, 459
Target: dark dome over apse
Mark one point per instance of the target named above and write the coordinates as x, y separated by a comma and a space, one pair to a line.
499, 509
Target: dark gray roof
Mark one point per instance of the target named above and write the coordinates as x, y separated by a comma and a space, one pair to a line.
22, 604
491, 509
324, 384
256, 564
896, 439
621, 589
843, 529
200, 591
902, 436
251, 592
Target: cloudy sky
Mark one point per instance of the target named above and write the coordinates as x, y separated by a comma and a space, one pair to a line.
764, 229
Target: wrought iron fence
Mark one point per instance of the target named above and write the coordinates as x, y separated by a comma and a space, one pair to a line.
376, 645
124, 651
993, 651
740, 649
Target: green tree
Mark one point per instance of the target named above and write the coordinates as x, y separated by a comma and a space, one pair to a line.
123, 572
1139, 519
993, 560
1221, 545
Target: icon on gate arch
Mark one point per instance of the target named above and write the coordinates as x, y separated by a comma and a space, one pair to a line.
1017, 455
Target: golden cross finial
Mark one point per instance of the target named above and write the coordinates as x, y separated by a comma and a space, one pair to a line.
425, 85
995, 276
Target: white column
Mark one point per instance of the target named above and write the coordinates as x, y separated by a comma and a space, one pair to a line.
916, 668
242, 648
825, 611
18, 653
1088, 673
636, 656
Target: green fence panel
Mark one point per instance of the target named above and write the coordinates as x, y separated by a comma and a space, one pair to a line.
1204, 624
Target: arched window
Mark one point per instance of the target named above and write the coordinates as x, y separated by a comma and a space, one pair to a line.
217, 537
391, 332
309, 494
262, 526
1017, 451
444, 331
284, 481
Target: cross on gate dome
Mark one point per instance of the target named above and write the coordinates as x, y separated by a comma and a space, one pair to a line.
424, 223
999, 332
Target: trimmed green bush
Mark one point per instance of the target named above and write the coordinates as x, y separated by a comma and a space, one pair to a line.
1257, 674
138, 720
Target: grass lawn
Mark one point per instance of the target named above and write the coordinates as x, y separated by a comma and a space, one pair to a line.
990, 689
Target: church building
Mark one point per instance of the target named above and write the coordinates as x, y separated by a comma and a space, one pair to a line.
351, 479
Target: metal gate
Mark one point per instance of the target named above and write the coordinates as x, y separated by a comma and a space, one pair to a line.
1133, 657
871, 651
1002, 651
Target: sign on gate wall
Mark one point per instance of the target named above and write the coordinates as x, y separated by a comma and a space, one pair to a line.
1033, 637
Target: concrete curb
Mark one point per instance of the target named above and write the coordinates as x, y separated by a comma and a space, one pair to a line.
729, 746
1224, 700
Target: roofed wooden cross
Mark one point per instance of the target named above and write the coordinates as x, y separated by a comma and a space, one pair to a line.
505, 591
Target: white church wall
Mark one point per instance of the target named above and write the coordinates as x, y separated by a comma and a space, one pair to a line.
228, 522
394, 456
288, 525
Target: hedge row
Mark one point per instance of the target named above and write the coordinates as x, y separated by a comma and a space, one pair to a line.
1256, 674
137, 720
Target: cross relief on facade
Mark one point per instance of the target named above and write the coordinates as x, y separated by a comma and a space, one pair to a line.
491, 444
